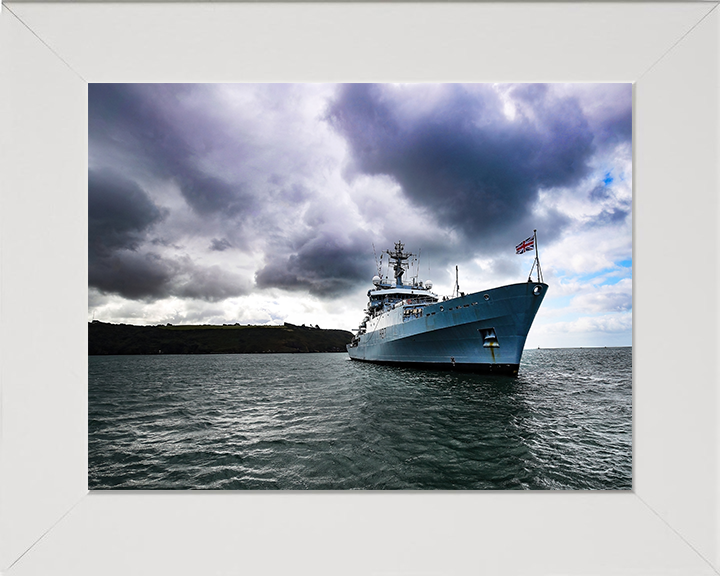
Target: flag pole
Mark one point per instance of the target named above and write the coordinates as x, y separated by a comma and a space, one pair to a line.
534, 260
537, 257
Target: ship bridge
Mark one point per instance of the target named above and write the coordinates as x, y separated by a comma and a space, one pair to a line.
387, 296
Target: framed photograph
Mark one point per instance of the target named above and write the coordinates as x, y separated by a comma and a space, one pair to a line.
667, 524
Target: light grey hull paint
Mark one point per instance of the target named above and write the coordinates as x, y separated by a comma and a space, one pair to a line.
452, 333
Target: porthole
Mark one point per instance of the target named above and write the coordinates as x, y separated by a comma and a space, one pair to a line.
487, 297
537, 290
441, 308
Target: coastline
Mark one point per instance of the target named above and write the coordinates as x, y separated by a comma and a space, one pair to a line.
120, 339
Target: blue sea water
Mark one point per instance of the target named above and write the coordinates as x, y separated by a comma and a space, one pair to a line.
323, 422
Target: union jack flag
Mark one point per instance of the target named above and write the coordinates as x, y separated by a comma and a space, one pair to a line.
525, 246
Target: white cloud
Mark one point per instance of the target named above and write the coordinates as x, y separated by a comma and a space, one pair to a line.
616, 323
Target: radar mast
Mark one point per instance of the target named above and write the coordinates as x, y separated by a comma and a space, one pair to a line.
397, 259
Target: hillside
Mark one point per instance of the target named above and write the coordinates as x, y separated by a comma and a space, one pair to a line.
106, 338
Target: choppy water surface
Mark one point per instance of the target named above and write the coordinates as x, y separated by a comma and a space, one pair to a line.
321, 421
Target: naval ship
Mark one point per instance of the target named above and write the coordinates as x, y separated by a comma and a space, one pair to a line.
409, 325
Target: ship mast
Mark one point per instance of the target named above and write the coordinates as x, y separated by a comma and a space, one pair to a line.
397, 258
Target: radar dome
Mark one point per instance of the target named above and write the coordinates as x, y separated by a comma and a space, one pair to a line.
376, 280
428, 284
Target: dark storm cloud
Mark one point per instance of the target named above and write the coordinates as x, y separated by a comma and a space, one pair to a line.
474, 169
617, 126
156, 135
119, 213
133, 275
323, 266
121, 217
259, 170
611, 119
219, 245
166, 137
150, 276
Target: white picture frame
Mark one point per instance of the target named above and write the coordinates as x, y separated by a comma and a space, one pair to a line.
668, 524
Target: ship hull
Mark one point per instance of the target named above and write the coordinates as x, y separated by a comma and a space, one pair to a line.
480, 332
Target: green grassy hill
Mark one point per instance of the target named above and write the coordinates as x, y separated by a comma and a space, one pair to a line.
127, 339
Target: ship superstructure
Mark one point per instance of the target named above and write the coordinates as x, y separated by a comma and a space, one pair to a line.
408, 324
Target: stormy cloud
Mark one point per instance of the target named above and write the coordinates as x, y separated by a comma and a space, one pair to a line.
219, 244
119, 213
475, 167
158, 123
271, 203
122, 252
325, 266
131, 274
